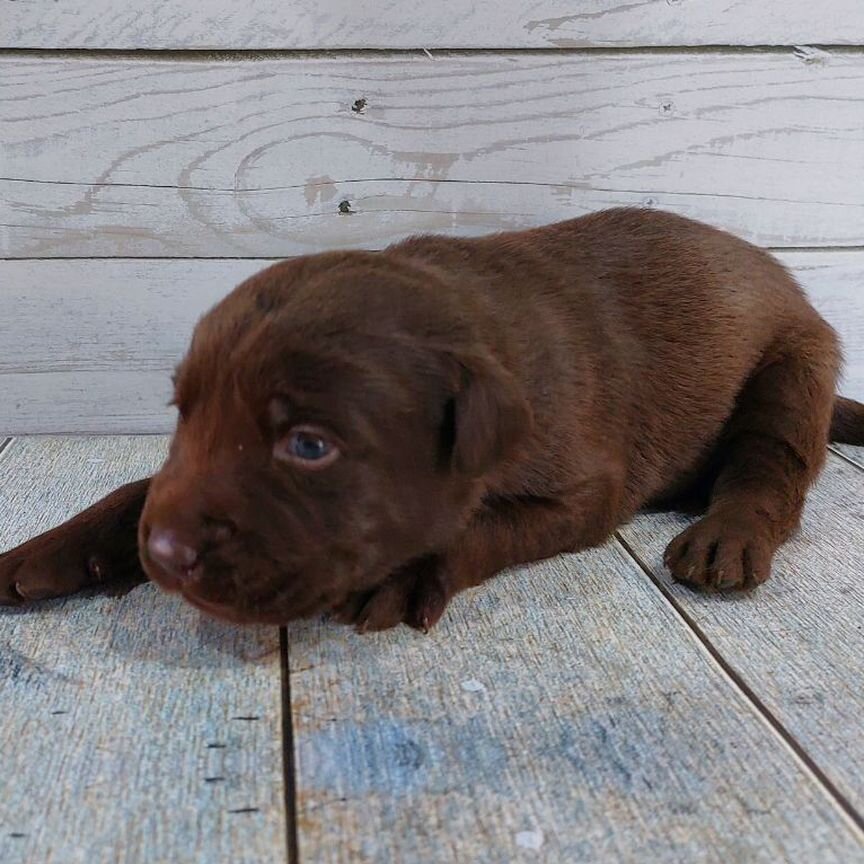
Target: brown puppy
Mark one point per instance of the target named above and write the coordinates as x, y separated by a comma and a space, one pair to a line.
370, 433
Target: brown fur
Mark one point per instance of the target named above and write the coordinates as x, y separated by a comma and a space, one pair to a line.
495, 401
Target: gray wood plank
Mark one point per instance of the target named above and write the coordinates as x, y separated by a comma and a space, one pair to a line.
161, 157
797, 641
117, 709
89, 345
852, 454
562, 712
331, 24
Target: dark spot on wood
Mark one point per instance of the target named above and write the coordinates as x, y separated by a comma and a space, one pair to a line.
408, 755
214, 779
17, 835
216, 746
345, 207
246, 717
18, 667
59, 712
359, 106
245, 810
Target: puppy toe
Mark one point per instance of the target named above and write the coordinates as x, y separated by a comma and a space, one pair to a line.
384, 609
689, 557
756, 564
727, 569
427, 605
10, 593
348, 611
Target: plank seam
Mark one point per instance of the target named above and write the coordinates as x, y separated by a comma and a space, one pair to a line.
806, 761
4, 445
161, 258
840, 455
256, 54
454, 181
289, 767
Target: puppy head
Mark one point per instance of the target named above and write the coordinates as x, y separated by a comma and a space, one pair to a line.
338, 416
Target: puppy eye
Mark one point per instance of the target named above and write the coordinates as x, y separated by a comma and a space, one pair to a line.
306, 447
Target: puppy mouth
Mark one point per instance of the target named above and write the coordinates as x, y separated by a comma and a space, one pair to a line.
214, 590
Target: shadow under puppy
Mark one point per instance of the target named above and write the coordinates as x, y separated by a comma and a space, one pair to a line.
370, 433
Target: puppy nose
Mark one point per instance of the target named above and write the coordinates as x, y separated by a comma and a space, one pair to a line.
173, 553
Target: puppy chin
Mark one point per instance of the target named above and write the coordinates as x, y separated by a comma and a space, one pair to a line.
226, 612
274, 614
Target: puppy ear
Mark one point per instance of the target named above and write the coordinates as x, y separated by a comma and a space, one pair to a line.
490, 415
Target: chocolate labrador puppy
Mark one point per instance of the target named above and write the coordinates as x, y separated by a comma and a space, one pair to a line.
370, 433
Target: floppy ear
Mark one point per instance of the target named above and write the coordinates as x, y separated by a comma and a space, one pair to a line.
490, 415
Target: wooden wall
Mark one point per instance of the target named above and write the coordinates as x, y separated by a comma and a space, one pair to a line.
138, 186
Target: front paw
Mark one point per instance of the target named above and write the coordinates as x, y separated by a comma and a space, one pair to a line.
721, 553
41, 569
415, 595
57, 563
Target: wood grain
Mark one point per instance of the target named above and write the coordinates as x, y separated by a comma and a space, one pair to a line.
89, 345
797, 641
332, 24
562, 712
85, 340
855, 455
117, 709
267, 158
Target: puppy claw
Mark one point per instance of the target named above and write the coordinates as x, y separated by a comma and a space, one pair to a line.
96, 568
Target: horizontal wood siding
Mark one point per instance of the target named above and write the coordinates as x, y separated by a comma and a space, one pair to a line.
89, 345
333, 24
269, 158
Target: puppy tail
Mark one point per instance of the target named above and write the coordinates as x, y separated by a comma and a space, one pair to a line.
847, 423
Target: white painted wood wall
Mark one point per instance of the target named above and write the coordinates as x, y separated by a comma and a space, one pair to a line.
138, 186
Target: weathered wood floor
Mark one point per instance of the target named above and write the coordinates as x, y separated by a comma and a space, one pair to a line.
584, 709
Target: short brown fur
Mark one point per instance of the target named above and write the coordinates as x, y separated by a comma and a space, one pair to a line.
495, 401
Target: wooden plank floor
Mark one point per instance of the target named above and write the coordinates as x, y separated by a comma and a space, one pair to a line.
122, 730
583, 709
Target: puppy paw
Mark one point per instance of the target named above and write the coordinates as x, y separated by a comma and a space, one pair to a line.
414, 595
720, 553
55, 564
36, 572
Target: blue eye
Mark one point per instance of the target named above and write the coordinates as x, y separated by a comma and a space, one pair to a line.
309, 447
306, 447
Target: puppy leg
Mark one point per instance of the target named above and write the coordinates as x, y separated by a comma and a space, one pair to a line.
97, 545
772, 450
506, 532
403, 598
